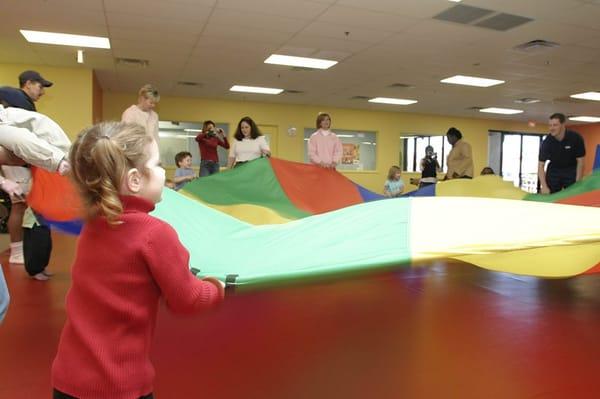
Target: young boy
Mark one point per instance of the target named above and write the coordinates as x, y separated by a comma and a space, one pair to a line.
184, 172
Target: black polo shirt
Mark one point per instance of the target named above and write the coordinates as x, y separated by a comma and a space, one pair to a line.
562, 154
17, 98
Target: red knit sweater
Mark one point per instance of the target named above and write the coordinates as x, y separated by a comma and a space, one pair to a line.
119, 274
208, 146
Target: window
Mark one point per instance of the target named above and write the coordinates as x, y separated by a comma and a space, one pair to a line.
515, 157
181, 136
413, 147
359, 149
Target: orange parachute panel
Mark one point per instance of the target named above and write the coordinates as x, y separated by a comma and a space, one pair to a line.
54, 196
314, 189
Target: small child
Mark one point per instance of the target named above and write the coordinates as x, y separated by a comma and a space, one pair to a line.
324, 146
184, 172
394, 186
126, 261
487, 171
37, 246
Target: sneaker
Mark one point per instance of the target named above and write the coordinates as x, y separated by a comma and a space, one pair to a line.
16, 258
40, 277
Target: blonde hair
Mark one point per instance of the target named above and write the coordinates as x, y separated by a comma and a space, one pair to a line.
392, 172
100, 159
149, 91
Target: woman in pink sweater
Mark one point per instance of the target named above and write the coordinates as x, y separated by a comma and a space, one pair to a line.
126, 262
324, 147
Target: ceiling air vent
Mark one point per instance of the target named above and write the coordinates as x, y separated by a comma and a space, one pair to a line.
132, 62
188, 83
481, 17
289, 91
400, 86
536, 46
463, 14
503, 22
527, 100
474, 108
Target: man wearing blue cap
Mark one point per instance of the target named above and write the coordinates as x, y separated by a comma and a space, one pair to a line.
32, 86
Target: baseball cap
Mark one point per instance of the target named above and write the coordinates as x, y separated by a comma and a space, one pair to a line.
33, 76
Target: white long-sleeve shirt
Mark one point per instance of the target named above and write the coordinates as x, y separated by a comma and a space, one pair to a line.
33, 137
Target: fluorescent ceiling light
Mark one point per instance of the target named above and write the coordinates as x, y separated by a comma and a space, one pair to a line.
304, 62
590, 95
80, 56
471, 81
395, 101
65, 39
585, 118
455, 1
505, 111
252, 89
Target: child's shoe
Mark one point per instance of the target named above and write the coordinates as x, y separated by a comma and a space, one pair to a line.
40, 277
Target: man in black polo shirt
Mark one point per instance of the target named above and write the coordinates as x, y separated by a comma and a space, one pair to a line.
32, 86
565, 150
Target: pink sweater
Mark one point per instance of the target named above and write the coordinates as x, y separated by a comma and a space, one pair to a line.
324, 148
147, 119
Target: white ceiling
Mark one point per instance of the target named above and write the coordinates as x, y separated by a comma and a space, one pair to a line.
219, 43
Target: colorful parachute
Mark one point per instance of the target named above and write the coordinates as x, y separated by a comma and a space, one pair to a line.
292, 220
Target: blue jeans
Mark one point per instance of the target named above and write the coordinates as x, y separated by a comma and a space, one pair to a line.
208, 168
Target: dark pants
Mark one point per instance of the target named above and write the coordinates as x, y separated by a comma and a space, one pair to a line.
559, 179
37, 246
421, 184
59, 395
208, 168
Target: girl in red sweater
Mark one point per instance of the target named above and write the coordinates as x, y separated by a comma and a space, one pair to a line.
126, 261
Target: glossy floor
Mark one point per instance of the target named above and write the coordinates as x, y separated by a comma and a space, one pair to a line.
444, 330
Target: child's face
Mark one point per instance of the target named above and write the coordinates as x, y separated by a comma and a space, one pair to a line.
398, 175
153, 180
326, 123
186, 163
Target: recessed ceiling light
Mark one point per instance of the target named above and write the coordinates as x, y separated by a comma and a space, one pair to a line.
65, 39
253, 89
505, 111
585, 118
395, 101
590, 95
304, 62
455, 1
471, 81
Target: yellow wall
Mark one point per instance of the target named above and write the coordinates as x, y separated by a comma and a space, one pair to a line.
389, 126
68, 101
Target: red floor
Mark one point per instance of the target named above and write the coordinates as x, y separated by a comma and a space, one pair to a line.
442, 331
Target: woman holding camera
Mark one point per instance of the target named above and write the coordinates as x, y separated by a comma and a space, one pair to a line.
208, 141
429, 168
